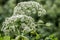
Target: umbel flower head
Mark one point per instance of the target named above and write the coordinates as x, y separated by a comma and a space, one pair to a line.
18, 24
29, 8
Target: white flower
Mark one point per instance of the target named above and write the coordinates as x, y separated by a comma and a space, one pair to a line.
29, 8
18, 23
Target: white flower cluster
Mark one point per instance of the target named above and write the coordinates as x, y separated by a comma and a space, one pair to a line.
29, 8
23, 19
18, 24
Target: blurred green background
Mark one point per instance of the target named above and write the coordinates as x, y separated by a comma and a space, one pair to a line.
52, 17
